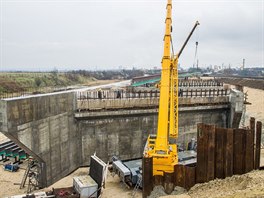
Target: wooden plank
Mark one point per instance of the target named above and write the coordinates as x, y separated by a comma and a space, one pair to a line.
179, 175
190, 180
211, 153
201, 168
249, 151
219, 152
258, 143
228, 153
239, 151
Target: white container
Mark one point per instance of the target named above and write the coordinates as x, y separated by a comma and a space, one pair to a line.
85, 186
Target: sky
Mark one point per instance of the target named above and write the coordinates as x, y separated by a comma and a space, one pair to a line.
42, 35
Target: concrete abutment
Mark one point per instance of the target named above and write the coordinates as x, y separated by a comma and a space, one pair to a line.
51, 129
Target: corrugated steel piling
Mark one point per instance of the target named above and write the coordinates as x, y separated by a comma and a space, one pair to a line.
147, 176
221, 153
258, 143
168, 182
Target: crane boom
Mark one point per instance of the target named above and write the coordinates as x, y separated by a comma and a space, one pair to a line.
162, 133
164, 154
188, 38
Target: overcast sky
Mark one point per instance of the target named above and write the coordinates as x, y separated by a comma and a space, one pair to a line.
106, 34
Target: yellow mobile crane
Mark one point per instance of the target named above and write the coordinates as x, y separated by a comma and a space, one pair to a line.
165, 154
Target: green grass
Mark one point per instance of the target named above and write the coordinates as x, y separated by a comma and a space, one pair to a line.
15, 82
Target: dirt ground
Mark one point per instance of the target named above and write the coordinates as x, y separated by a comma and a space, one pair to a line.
114, 188
237, 186
256, 109
248, 185
9, 183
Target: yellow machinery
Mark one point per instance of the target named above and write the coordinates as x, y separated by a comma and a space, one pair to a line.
165, 154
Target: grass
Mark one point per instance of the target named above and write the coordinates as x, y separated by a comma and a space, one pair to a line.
15, 82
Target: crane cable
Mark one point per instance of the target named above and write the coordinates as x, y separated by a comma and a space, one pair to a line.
196, 48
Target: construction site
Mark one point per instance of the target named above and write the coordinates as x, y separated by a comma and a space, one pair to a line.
161, 135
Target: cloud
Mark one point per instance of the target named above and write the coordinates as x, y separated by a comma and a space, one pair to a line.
83, 34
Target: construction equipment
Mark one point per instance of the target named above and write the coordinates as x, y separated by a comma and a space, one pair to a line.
165, 154
130, 172
11, 167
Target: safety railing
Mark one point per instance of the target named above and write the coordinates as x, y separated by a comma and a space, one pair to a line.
199, 83
123, 94
26, 91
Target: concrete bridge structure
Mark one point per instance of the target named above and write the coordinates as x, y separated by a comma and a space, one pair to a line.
62, 130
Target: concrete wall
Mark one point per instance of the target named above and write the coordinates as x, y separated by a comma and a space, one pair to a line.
236, 99
44, 126
125, 134
121, 136
188, 121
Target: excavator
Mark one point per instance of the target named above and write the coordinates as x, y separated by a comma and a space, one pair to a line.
164, 153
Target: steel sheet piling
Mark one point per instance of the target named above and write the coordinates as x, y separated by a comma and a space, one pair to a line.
211, 153
190, 180
158, 180
206, 153
228, 152
249, 150
219, 152
239, 151
168, 182
179, 175
258, 143
147, 176
252, 127
201, 171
